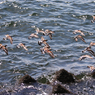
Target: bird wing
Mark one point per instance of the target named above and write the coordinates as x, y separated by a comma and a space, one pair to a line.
5, 50
82, 57
42, 38
50, 35
79, 36
92, 52
11, 40
25, 48
51, 54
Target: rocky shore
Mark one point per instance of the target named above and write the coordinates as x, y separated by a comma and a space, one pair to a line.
63, 83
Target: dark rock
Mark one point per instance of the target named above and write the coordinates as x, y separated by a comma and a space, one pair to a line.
58, 89
27, 79
64, 76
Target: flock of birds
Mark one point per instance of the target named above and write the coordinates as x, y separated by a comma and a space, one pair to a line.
87, 48
47, 48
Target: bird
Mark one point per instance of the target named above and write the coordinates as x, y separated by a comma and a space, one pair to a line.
85, 56
33, 35
43, 41
91, 68
22, 45
47, 49
89, 50
92, 44
50, 53
93, 19
86, 49
3, 47
79, 36
78, 31
49, 32
40, 31
9, 37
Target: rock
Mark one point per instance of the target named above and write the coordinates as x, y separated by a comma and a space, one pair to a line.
27, 79
64, 76
58, 89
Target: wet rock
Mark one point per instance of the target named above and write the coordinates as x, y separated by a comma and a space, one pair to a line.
58, 89
64, 76
27, 79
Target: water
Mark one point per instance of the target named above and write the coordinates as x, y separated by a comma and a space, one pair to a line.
21, 18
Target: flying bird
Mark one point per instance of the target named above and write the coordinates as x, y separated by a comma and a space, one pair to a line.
3, 47
9, 37
43, 41
93, 19
33, 35
47, 49
49, 32
89, 50
79, 37
85, 56
91, 68
86, 49
22, 45
40, 31
78, 31
92, 44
